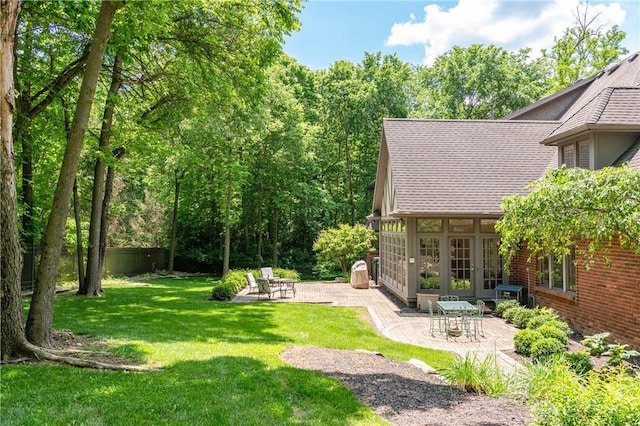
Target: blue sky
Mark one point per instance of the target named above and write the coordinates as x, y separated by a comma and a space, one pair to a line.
419, 31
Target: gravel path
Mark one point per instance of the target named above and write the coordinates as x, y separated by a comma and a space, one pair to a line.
404, 394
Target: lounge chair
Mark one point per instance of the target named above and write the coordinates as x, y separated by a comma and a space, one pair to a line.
268, 273
264, 287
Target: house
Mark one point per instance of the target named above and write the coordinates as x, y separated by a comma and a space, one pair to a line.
439, 186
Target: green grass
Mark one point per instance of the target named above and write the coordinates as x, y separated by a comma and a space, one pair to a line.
220, 362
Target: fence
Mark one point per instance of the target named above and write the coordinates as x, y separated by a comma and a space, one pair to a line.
118, 261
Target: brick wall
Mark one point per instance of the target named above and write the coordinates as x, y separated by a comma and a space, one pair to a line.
607, 298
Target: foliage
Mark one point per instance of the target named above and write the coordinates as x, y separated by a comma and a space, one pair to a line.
560, 398
583, 50
340, 247
503, 305
515, 311
478, 376
540, 319
598, 346
579, 362
549, 329
223, 291
523, 339
570, 205
479, 82
231, 349
522, 316
546, 347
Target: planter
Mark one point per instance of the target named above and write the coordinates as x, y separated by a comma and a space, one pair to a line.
421, 303
454, 332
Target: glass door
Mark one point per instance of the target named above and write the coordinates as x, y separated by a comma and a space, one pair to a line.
429, 265
461, 267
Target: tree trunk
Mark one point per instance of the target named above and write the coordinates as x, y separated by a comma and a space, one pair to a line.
92, 282
227, 229
40, 318
108, 190
11, 319
174, 218
79, 247
276, 216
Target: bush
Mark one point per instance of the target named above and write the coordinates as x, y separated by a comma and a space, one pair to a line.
550, 329
523, 340
503, 305
338, 248
579, 362
510, 313
558, 397
546, 347
540, 319
521, 317
223, 291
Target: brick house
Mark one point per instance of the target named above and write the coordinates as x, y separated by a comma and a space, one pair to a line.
439, 186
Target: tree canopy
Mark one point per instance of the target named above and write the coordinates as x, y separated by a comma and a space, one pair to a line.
573, 205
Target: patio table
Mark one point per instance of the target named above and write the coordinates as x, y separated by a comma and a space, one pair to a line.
455, 309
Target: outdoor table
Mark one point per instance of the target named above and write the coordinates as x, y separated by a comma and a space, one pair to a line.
285, 284
455, 308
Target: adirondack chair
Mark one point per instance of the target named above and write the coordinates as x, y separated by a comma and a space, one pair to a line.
253, 285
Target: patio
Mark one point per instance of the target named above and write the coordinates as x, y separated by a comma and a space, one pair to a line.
397, 322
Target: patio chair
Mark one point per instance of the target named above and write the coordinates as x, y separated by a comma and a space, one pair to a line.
478, 318
253, 285
433, 318
449, 298
264, 287
268, 273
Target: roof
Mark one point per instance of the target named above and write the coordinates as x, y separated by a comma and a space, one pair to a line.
614, 108
631, 156
462, 167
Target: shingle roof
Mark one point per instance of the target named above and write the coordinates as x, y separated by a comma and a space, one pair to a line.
464, 166
612, 98
631, 156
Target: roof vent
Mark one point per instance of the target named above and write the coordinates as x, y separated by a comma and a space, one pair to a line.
614, 67
634, 56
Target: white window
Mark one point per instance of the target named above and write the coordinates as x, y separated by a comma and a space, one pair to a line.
558, 274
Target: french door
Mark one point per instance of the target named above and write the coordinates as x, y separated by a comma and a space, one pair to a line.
461, 267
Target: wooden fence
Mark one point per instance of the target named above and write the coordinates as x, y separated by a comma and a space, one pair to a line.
118, 262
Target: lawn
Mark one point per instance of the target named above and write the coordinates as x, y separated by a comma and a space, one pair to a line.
219, 362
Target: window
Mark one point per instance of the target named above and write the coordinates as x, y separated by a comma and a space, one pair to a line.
487, 226
429, 263
558, 274
491, 263
429, 225
393, 253
461, 225
576, 155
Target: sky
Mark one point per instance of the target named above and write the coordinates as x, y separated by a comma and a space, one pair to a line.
418, 31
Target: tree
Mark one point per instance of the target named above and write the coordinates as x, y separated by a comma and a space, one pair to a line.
340, 247
40, 318
583, 50
573, 205
478, 82
12, 332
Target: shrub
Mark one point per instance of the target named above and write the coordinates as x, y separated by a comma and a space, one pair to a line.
503, 305
550, 329
579, 362
521, 318
546, 347
338, 248
540, 319
223, 291
611, 397
510, 313
523, 340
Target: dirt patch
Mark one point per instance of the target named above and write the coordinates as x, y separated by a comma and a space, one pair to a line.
404, 394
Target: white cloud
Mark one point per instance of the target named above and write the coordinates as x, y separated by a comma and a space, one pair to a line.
510, 24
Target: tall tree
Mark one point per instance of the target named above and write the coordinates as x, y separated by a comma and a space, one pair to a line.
479, 82
12, 326
40, 318
92, 282
583, 49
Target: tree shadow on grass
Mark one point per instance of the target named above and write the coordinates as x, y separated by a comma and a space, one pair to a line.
226, 390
